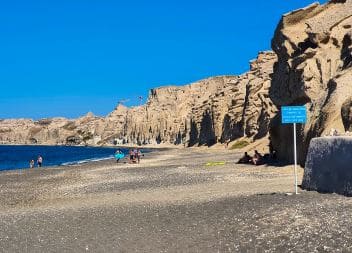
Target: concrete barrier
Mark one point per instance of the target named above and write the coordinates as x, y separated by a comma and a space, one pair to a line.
329, 165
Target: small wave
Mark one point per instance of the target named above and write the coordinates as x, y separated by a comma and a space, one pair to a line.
87, 161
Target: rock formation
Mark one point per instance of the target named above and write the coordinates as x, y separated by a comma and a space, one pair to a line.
328, 166
213, 110
314, 69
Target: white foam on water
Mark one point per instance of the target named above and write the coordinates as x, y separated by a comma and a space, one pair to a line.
87, 160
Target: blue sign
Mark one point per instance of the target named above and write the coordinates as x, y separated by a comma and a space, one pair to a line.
293, 114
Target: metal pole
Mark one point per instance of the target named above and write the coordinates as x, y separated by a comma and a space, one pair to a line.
295, 156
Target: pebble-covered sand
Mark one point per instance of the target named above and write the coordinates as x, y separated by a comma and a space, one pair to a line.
171, 202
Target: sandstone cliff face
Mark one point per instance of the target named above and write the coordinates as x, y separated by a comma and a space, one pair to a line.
206, 112
240, 108
168, 113
313, 69
202, 113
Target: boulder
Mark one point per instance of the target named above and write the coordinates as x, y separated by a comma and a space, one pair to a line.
329, 165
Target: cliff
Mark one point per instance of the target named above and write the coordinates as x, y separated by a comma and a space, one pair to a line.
213, 110
314, 48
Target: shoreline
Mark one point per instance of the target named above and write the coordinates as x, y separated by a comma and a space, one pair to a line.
82, 160
148, 148
90, 146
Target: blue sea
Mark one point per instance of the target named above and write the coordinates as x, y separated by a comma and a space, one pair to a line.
18, 157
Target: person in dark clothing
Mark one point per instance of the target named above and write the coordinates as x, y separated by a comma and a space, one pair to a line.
245, 159
257, 158
40, 161
132, 156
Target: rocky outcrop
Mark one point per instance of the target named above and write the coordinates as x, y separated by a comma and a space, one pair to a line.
206, 112
313, 69
240, 108
213, 110
328, 166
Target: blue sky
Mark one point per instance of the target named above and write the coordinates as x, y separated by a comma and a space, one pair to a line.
68, 57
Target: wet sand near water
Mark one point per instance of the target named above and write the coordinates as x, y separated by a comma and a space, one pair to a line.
171, 202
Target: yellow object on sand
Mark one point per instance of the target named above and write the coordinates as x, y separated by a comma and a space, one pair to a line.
215, 163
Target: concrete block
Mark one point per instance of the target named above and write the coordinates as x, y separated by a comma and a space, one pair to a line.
328, 166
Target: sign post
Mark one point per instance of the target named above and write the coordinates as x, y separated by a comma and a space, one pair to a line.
295, 155
294, 115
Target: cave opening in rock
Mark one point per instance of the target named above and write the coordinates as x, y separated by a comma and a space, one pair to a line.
303, 46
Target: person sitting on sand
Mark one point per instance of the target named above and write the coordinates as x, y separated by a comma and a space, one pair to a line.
257, 158
245, 159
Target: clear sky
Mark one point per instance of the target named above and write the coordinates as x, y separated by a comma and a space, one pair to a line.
68, 57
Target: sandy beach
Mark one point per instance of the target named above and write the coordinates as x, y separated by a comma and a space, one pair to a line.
172, 202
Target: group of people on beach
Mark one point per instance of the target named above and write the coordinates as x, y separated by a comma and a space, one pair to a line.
39, 162
134, 155
258, 158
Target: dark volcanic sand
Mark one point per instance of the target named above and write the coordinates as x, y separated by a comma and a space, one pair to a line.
171, 202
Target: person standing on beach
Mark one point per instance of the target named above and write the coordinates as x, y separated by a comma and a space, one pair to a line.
131, 153
118, 155
31, 164
40, 161
138, 155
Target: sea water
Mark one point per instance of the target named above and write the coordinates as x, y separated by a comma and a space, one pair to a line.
18, 157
